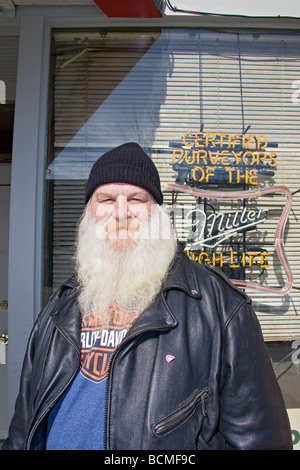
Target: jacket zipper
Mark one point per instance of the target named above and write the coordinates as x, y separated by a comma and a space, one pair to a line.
107, 391
179, 416
108, 385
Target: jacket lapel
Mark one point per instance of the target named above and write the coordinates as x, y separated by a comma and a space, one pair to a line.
66, 316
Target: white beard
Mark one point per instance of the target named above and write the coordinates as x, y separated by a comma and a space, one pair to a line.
130, 278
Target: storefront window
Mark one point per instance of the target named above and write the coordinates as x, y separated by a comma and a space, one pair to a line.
218, 112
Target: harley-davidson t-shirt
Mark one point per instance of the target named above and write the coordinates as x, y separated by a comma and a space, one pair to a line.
77, 420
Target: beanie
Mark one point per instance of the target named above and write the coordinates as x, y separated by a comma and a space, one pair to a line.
129, 164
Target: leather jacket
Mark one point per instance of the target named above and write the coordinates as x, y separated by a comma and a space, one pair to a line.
218, 392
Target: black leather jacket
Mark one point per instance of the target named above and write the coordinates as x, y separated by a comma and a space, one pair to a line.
219, 392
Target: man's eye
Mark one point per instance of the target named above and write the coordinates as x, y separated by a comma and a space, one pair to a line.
138, 199
107, 200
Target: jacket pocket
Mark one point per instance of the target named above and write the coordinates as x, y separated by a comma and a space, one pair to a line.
183, 413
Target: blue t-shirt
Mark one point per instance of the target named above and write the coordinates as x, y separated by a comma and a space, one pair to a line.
77, 420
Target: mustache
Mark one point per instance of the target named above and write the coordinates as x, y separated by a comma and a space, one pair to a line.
113, 226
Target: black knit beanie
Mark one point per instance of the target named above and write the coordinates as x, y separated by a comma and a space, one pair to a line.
129, 164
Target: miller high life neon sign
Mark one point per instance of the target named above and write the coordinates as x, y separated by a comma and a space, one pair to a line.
224, 160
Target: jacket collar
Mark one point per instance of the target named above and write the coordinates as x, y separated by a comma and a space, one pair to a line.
181, 276
65, 312
159, 316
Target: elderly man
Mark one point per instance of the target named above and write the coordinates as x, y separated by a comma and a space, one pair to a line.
143, 348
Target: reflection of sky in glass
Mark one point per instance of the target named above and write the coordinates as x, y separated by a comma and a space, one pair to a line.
129, 113
226, 81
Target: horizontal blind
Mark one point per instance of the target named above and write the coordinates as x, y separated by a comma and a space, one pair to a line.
153, 87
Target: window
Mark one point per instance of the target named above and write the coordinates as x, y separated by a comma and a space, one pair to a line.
219, 114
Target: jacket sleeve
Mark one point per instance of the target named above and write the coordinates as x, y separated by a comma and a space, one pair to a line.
252, 411
20, 423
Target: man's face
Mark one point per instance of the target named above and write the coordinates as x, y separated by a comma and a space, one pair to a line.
121, 208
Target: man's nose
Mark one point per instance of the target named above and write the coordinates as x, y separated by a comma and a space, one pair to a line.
121, 208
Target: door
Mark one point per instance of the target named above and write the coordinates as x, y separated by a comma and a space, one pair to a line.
5, 170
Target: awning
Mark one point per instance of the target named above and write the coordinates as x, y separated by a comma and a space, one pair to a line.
131, 8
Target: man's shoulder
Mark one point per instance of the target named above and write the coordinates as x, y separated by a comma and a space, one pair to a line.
67, 287
210, 277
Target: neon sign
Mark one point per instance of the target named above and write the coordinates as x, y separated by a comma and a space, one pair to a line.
220, 226
214, 229
234, 159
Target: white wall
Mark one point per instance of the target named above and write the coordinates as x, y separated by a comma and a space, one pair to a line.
238, 7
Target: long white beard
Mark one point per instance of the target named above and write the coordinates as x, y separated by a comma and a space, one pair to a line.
131, 277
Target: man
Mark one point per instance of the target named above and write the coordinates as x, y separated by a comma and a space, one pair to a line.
143, 348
